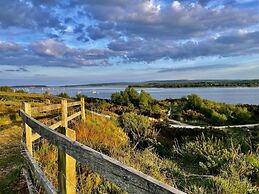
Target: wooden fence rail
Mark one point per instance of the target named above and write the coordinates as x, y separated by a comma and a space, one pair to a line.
70, 151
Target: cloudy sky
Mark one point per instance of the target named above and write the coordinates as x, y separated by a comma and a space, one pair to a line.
58, 42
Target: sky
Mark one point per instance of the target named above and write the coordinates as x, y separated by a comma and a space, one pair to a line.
57, 42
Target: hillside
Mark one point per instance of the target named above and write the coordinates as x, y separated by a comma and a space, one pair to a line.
138, 135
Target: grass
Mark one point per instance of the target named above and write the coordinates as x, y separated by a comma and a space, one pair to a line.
194, 163
11, 161
101, 133
200, 164
11, 128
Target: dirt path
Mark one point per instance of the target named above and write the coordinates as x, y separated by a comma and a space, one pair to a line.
178, 124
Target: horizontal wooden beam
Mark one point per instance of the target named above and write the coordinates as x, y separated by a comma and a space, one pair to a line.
126, 177
28, 180
55, 126
36, 136
45, 108
37, 172
74, 116
77, 103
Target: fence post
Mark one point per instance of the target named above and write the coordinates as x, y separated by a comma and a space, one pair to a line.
83, 109
66, 163
64, 113
28, 131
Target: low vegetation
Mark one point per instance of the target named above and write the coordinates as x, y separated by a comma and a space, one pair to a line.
211, 161
11, 128
194, 163
195, 110
101, 133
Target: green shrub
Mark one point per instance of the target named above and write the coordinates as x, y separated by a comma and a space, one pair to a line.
138, 128
79, 96
63, 95
6, 89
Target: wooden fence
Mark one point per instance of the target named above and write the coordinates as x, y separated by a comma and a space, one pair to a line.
70, 151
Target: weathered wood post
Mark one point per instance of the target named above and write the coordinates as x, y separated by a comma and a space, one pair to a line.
64, 122
28, 131
66, 163
83, 109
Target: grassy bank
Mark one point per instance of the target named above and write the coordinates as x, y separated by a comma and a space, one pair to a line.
195, 161
11, 161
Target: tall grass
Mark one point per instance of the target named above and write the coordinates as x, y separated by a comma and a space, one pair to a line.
101, 133
195, 165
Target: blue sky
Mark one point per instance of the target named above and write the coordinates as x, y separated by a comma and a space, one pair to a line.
58, 42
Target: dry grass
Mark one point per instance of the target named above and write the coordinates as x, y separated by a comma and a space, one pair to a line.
10, 158
13, 94
101, 133
46, 156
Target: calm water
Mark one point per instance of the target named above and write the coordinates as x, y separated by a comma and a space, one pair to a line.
227, 95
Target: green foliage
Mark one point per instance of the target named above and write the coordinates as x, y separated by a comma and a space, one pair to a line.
142, 102
126, 97
139, 128
63, 95
145, 100
193, 108
230, 170
6, 89
21, 91
218, 119
79, 96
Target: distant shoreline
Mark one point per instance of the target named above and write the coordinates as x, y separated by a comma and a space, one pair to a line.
164, 84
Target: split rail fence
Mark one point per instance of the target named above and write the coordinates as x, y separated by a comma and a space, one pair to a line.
70, 151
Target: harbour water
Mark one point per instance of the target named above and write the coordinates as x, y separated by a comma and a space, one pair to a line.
249, 95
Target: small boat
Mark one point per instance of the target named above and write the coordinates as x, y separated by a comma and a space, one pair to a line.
94, 92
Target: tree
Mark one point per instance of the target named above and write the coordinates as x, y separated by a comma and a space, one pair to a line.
63, 95
79, 96
117, 98
133, 95
145, 100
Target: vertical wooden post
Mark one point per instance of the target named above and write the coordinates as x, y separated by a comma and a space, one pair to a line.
28, 131
66, 163
83, 109
64, 113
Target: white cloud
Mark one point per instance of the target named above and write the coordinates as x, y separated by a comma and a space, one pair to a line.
176, 5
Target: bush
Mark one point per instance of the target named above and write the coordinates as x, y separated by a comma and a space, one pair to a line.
219, 119
6, 89
79, 96
63, 95
21, 91
138, 128
130, 97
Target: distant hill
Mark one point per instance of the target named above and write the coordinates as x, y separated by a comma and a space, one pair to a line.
197, 83
103, 84
178, 83
30, 86
165, 84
